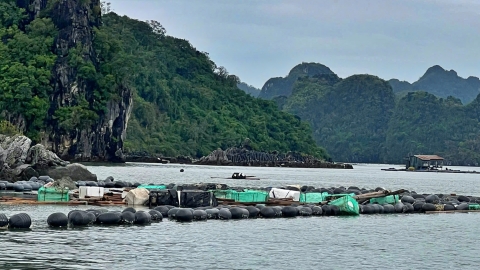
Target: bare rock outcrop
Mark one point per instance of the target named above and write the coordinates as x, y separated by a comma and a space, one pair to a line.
20, 161
244, 157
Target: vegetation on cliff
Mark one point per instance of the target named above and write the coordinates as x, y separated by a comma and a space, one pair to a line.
249, 89
183, 103
349, 116
424, 123
277, 87
26, 62
441, 83
359, 119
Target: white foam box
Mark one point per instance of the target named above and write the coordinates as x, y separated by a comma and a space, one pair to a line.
90, 192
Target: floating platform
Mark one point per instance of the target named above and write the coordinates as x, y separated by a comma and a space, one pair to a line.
432, 171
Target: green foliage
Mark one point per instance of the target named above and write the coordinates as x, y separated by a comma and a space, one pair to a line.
349, 116
26, 61
359, 119
283, 86
75, 117
425, 124
8, 129
441, 83
183, 103
10, 14
249, 89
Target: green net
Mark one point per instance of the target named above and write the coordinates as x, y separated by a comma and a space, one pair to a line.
149, 187
473, 206
347, 205
313, 197
239, 196
251, 196
53, 195
391, 199
224, 194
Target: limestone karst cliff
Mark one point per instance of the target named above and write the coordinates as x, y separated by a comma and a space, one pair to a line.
100, 134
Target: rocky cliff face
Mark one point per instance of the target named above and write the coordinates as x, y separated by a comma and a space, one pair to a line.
103, 140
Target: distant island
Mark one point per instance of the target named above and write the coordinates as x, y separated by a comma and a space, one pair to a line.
363, 118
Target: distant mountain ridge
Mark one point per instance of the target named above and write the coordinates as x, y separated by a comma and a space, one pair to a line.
361, 119
441, 83
249, 89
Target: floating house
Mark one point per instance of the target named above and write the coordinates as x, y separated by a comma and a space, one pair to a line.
424, 162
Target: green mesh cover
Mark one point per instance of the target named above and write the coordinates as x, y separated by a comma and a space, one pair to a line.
313, 197
336, 196
224, 194
251, 196
473, 206
245, 196
347, 205
53, 195
152, 187
391, 199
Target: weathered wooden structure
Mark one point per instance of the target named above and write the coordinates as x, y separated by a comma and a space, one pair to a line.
424, 162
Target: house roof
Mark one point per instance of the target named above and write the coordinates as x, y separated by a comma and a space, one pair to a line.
428, 157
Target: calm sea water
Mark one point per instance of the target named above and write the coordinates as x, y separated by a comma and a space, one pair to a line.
416, 241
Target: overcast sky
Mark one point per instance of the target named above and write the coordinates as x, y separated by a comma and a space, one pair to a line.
257, 40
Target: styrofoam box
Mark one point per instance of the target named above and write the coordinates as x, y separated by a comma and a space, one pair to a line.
90, 191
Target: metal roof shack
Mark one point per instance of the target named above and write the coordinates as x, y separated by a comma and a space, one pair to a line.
428, 157
424, 162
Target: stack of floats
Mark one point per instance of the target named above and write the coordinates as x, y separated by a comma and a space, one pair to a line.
24, 186
343, 201
336, 205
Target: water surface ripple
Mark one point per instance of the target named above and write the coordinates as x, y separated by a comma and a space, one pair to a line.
416, 241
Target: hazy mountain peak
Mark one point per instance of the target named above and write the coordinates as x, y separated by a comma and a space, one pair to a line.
442, 83
434, 69
279, 86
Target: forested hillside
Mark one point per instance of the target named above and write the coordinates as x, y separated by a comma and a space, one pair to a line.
441, 83
423, 123
349, 116
277, 87
74, 79
249, 89
185, 105
359, 119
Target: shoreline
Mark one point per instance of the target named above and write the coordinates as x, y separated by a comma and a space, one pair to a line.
152, 160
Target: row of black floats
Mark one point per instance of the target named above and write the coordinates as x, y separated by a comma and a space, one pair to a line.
102, 216
17, 221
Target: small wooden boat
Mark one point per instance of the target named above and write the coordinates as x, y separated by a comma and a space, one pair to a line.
239, 176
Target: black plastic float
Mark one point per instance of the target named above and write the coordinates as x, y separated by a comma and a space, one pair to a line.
3, 221
156, 215
184, 215
128, 217
109, 218
79, 218
20, 221
142, 218
57, 220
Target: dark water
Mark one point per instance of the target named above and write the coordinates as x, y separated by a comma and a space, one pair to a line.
417, 241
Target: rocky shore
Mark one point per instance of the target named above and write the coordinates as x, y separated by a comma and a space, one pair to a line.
243, 157
19, 160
